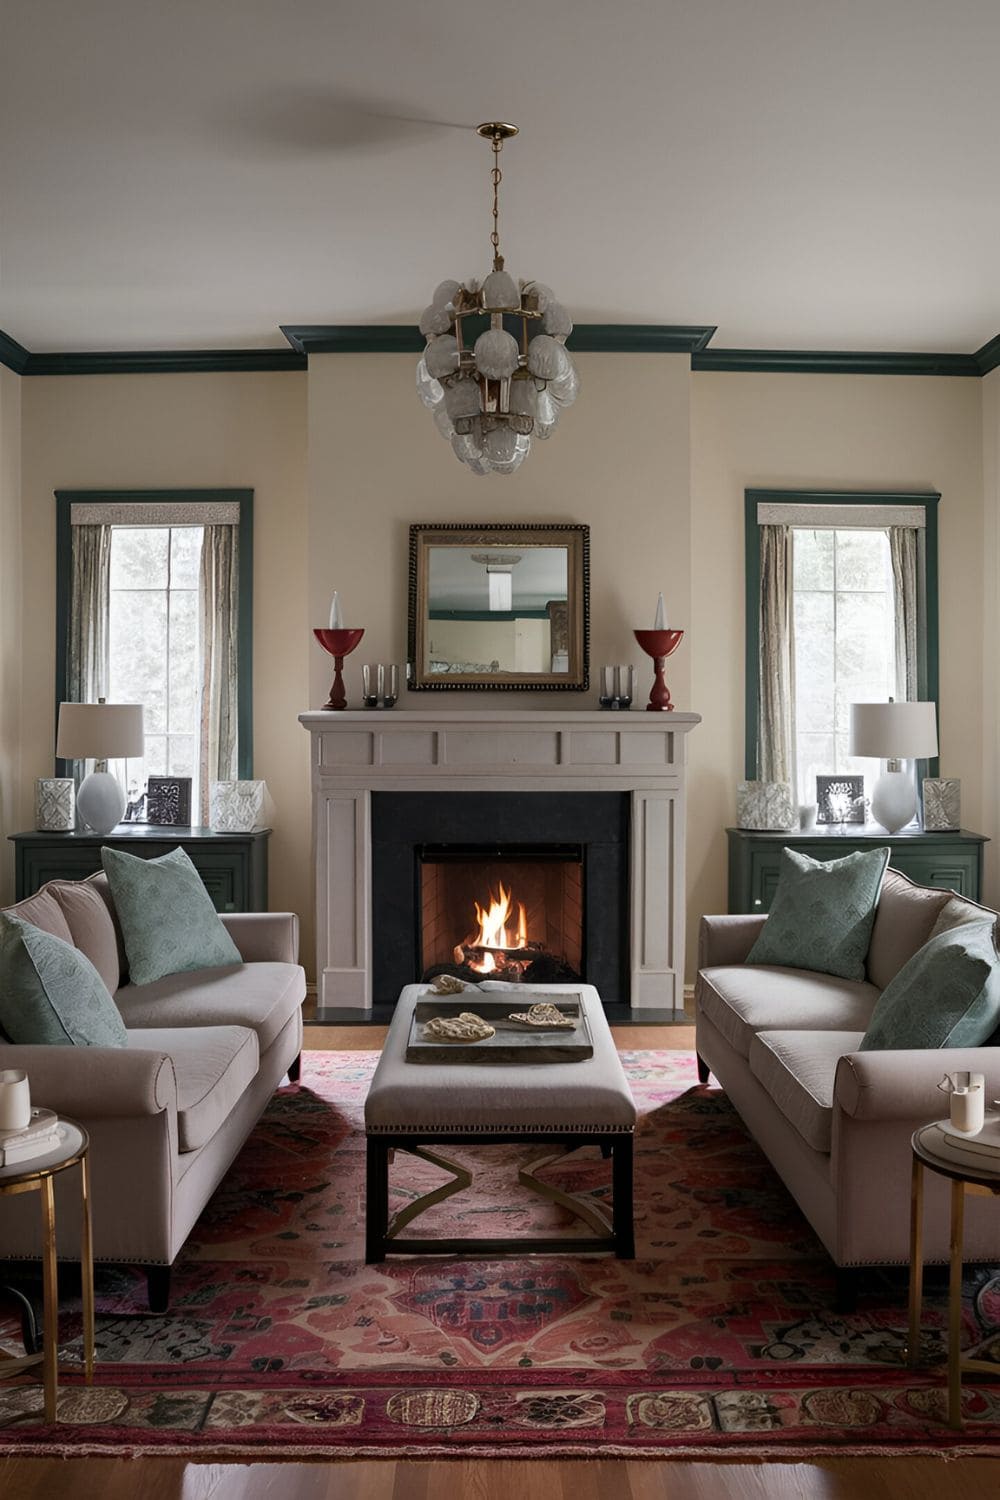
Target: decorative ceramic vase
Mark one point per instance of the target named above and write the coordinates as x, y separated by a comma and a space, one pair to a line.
15, 1099
237, 806
55, 804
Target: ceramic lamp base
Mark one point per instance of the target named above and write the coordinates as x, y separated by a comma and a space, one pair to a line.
894, 800
101, 801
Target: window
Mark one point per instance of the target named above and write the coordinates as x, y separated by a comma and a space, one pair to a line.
153, 606
841, 607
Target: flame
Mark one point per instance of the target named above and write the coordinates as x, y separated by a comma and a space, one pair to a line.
496, 930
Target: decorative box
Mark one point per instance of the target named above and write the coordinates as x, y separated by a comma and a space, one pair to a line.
168, 801
55, 804
942, 805
766, 805
237, 806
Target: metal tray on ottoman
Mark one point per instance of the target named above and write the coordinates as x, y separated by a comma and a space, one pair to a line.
512, 1043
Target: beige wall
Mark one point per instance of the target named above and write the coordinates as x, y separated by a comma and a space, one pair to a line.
10, 621
167, 431
835, 432
653, 458
619, 461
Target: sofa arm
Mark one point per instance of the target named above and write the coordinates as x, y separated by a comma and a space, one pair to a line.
727, 939
903, 1085
264, 936
96, 1083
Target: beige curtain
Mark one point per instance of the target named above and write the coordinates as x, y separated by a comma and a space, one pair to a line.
775, 746
218, 598
903, 551
87, 650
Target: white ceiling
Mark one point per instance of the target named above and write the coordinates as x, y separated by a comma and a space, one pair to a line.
804, 173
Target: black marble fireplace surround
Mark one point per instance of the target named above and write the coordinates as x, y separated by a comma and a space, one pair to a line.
495, 824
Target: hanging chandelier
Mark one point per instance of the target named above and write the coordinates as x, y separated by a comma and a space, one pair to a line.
495, 371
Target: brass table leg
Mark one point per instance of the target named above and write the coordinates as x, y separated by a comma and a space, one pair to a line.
87, 1272
955, 1306
50, 1293
916, 1260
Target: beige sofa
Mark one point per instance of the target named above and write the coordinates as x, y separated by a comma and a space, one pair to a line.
834, 1122
168, 1113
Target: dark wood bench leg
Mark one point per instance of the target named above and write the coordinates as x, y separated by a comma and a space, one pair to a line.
158, 1288
703, 1069
295, 1069
376, 1200
621, 1187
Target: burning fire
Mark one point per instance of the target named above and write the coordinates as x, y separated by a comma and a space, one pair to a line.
496, 934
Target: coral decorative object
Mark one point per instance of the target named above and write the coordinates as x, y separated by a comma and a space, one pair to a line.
339, 643
659, 644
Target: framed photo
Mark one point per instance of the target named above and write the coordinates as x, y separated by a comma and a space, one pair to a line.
840, 799
168, 801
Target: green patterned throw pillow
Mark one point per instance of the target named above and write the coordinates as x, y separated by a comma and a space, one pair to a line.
50, 992
946, 995
168, 922
822, 914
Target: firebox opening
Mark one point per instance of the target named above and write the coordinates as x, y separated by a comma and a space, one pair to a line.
513, 912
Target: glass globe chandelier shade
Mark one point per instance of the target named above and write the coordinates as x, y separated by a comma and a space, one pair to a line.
495, 371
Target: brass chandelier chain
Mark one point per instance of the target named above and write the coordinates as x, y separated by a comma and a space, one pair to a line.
497, 177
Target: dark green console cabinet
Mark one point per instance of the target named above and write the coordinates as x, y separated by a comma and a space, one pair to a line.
953, 861
232, 865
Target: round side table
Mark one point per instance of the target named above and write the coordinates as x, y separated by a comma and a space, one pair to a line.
979, 1181
36, 1176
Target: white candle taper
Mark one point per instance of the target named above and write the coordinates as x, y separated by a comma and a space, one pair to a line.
336, 618
661, 615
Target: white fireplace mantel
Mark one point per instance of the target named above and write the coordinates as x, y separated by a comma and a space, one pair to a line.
357, 753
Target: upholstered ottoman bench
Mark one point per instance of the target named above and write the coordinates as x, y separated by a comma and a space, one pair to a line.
559, 1106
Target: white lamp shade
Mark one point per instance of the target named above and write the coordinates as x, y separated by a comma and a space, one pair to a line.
99, 731
894, 731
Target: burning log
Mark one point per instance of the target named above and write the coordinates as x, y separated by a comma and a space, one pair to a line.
468, 952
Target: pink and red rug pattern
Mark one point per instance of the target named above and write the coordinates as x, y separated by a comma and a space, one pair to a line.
719, 1338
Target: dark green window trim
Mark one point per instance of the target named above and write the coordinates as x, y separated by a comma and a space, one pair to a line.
927, 666
244, 644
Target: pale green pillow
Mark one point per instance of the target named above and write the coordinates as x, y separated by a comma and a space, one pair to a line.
946, 995
822, 914
168, 922
50, 992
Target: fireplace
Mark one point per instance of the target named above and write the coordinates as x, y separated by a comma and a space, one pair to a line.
527, 887
632, 879
528, 925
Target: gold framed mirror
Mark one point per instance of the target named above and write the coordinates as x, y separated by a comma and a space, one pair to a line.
501, 607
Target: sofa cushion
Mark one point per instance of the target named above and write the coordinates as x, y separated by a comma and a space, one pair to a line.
167, 918
213, 1066
91, 927
948, 995
44, 911
798, 1068
741, 1001
99, 883
959, 911
50, 992
822, 913
263, 996
904, 919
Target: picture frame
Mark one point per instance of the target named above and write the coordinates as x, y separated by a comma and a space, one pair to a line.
840, 799
168, 801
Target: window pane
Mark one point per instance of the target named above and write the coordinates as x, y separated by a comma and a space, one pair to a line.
815, 662
155, 762
185, 556
183, 663
863, 560
813, 559
181, 755
139, 557
138, 628
865, 652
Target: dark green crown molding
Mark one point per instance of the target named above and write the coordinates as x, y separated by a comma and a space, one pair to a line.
403, 338
835, 362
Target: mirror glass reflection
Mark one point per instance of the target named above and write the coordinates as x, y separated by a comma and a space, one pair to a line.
497, 610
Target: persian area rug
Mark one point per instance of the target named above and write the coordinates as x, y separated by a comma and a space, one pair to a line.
718, 1339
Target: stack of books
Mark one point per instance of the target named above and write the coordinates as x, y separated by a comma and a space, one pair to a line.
39, 1136
978, 1152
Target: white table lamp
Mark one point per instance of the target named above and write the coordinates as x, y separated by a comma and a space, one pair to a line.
100, 732
894, 733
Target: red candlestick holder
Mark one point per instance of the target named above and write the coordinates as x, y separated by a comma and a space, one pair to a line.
339, 643
659, 644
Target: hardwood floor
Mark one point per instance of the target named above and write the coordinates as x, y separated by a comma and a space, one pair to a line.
920, 1478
